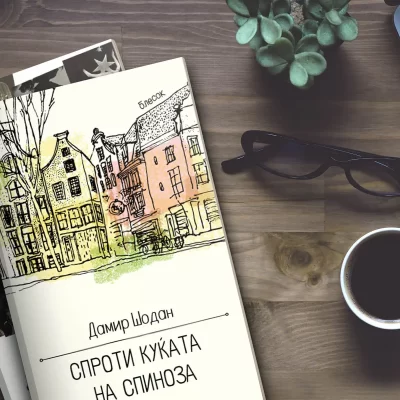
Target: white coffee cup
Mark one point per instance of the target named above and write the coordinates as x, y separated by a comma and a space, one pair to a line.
345, 280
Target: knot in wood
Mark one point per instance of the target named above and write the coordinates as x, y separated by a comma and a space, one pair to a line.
300, 258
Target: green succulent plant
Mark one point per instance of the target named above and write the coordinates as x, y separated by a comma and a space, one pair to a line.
302, 60
286, 48
261, 21
334, 23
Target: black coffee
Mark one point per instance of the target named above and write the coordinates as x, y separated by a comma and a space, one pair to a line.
375, 276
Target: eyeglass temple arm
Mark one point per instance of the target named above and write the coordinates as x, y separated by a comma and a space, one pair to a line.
244, 161
237, 164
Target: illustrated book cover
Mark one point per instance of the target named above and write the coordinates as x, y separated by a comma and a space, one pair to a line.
76, 65
114, 257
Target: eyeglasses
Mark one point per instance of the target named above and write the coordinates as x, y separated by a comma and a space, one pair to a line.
297, 159
392, 2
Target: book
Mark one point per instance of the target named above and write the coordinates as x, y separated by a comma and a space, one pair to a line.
12, 378
43, 76
91, 62
115, 260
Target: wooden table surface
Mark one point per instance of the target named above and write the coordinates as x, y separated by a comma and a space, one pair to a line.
287, 238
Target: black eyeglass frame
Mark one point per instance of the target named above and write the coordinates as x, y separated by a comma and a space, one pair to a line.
351, 158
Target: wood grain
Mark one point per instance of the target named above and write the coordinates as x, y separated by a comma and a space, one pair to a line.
287, 238
290, 266
22, 48
321, 350
210, 47
326, 384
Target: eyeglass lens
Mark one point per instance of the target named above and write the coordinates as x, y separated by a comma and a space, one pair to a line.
297, 160
374, 177
291, 158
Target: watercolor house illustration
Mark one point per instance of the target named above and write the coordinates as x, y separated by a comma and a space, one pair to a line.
23, 221
142, 192
71, 184
166, 188
109, 156
66, 204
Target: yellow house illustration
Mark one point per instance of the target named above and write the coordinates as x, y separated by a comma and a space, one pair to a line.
71, 186
22, 239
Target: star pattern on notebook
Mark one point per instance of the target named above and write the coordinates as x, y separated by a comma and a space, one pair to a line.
104, 67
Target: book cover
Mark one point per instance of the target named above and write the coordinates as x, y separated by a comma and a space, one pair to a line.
13, 385
115, 260
72, 68
91, 62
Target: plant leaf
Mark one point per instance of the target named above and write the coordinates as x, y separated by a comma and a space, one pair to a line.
340, 4
306, 14
278, 69
310, 27
325, 34
267, 57
247, 31
348, 29
288, 35
285, 21
238, 7
315, 9
297, 33
298, 74
326, 4
314, 63
271, 31
281, 7
252, 6
282, 52
343, 11
333, 17
307, 44
257, 41
265, 7
284, 48
239, 20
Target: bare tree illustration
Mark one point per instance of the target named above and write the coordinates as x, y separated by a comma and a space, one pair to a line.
26, 121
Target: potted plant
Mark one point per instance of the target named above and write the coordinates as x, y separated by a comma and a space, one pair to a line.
290, 36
